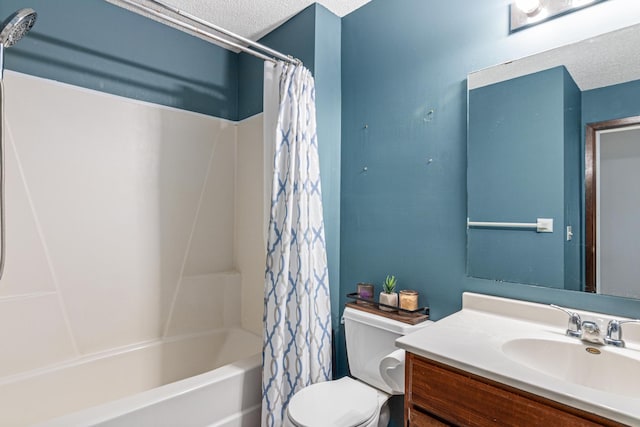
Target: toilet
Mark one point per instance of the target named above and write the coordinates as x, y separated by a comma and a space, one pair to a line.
377, 367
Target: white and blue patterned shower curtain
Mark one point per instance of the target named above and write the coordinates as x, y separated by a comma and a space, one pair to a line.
297, 311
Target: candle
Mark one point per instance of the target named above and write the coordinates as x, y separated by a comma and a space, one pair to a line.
409, 300
365, 291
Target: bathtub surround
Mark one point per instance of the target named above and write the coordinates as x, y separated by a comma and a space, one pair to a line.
119, 240
252, 217
297, 314
194, 314
138, 246
112, 253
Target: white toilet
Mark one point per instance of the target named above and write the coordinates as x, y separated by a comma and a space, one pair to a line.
377, 366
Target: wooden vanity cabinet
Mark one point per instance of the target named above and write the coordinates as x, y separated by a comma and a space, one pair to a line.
439, 395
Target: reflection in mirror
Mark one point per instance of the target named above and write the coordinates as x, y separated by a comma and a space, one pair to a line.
523, 146
526, 160
612, 171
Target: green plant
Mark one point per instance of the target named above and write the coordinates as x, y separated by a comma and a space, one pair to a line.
389, 285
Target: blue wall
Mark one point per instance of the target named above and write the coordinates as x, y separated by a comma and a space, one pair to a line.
96, 45
296, 37
406, 215
611, 102
329, 115
574, 272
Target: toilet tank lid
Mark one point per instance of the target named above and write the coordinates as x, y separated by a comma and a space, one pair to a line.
382, 322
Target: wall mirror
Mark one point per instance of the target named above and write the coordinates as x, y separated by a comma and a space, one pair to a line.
553, 150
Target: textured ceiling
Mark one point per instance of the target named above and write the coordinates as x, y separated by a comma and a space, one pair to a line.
604, 60
251, 18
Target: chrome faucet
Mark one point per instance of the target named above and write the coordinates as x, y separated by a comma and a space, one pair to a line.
574, 328
614, 332
591, 332
586, 330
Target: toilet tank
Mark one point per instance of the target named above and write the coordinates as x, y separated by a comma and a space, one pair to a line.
369, 339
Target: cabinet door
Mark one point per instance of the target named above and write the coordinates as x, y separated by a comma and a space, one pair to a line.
419, 419
464, 399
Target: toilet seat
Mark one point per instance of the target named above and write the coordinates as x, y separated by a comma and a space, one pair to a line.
341, 403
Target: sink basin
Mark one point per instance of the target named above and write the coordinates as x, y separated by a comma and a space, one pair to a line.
598, 367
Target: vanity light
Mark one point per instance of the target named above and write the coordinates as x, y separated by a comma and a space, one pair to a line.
580, 3
526, 13
529, 7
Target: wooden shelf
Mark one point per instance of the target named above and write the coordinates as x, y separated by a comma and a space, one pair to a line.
371, 307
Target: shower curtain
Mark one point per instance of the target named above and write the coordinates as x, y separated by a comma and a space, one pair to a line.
297, 312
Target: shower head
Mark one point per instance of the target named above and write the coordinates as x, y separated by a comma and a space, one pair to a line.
14, 28
17, 25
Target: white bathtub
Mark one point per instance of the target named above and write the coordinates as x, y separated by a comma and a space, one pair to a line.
209, 379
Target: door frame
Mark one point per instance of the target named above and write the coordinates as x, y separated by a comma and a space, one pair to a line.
590, 167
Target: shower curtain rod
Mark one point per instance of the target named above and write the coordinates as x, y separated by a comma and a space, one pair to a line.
207, 34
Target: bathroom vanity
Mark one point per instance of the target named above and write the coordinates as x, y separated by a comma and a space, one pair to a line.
508, 362
438, 395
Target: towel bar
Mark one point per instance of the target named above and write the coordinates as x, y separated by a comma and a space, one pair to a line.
542, 225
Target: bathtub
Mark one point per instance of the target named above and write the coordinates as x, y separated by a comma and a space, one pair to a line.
207, 379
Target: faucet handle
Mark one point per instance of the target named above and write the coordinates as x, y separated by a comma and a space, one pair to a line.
614, 332
574, 328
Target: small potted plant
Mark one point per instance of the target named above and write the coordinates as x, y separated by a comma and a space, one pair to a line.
389, 296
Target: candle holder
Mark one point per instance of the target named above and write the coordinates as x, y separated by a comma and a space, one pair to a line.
365, 291
409, 300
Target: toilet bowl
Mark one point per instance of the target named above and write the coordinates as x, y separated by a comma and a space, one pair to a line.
341, 403
377, 367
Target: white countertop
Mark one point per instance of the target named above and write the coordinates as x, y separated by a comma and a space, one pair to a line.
472, 340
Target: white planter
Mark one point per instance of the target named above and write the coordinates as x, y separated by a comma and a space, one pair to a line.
388, 299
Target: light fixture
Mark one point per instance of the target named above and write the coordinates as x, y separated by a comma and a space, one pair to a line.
580, 3
529, 7
526, 13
